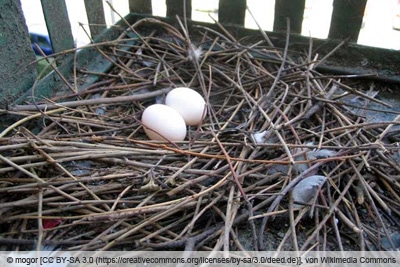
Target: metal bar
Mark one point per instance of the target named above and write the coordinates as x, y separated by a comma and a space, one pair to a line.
58, 25
294, 10
176, 7
347, 17
95, 15
232, 11
140, 6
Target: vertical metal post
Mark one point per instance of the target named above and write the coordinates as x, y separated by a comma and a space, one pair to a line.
58, 25
294, 10
140, 6
232, 11
176, 7
95, 15
347, 17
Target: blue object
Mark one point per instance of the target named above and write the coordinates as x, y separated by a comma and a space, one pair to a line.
43, 41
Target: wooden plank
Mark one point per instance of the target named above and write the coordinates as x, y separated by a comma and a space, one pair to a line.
95, 15
176, 7
232, 11
294, 10
17, 73
58, 25
140, 6
347, 17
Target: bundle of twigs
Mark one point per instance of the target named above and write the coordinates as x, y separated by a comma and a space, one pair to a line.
79, 173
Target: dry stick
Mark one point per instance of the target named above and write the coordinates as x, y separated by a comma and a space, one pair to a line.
235, 240
293, 224
279, 197
347, 222
387, 180
182, 242
368, 192
192, 181
172, 178
154, 218
292, 230
308, 73
101, 155
30, 117
120, 195
198, 215
40, 221
35, 177
161, 229
359, 93
231, 210
60, 167
333, 220
331, 52
243, 174
101, 236
260, 29
77, 103
20, 241
245, 52
265, 115
113, 235
232, 169
159, 206
197, 66
55, 69
332, 209
235, 177
146, 20
319, 105
341, 117
364, 126
37, 81
284, 58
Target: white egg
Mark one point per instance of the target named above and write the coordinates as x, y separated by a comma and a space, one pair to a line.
163, 123
188, 103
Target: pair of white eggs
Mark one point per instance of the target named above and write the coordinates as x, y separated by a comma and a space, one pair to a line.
183, 106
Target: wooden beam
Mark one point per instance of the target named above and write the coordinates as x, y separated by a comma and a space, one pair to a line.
176, 7
294, 10
347, 17
232, 11
140, 6
95, 15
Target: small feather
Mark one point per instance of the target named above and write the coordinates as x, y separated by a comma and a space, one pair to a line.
306, 189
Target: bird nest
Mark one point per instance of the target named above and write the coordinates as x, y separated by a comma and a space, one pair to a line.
79, 173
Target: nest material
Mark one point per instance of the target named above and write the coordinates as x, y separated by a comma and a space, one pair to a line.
82, 175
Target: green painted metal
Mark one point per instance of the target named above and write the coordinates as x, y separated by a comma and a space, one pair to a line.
89, 59
95, 15
58, 25
289, 9
178, 7
232, 11
140, 6
347, 17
